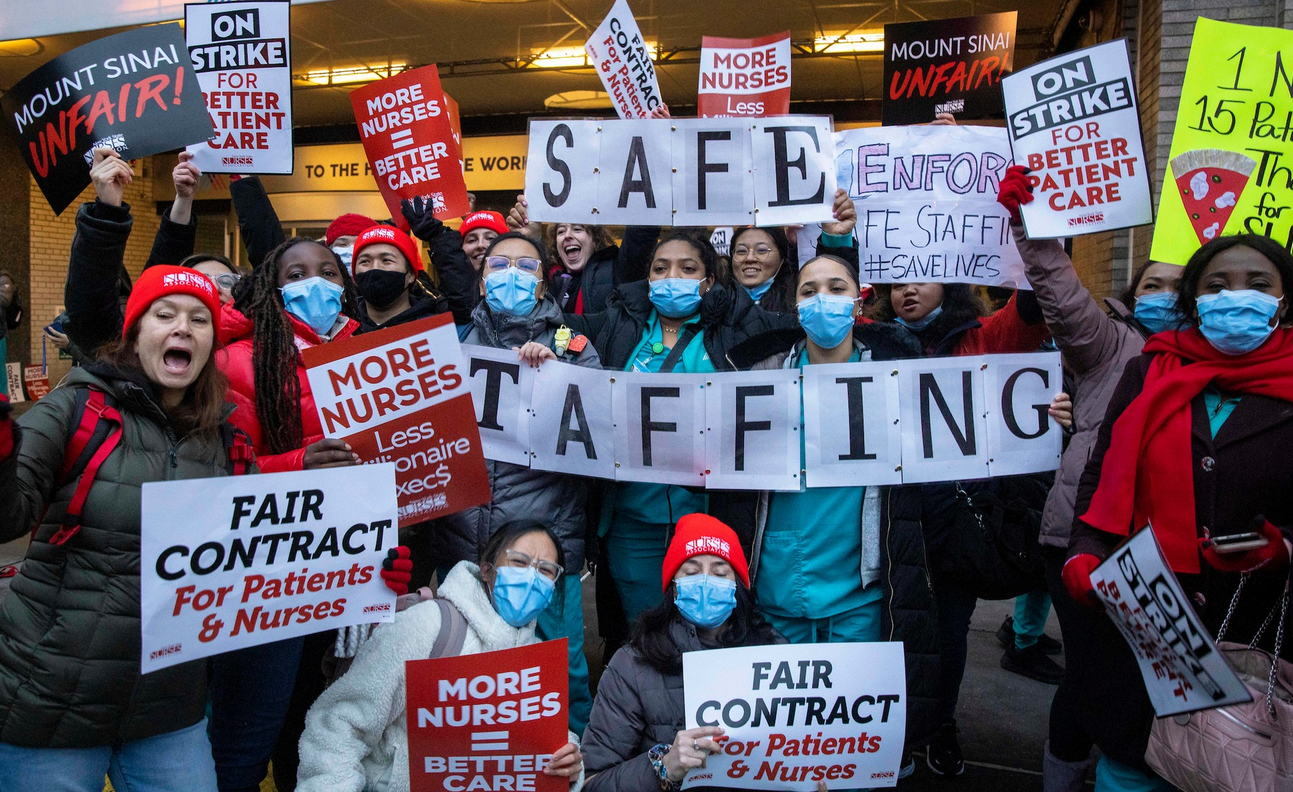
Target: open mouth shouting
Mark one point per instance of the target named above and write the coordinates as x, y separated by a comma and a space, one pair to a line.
177, 360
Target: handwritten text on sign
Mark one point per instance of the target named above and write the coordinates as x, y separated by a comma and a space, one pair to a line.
797, 715
907, 421
702, 171
398, 395
487, 721
264, 558
1178, 659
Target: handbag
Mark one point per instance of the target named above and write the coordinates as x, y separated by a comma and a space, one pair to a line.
1246, 747
991, 548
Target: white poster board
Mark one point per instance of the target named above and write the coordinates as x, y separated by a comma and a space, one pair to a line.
501, 388
852, 425
660, 428
943, 410
1179, 661
227, 563
571, 427
619, 55
1073, 121
752, 430
1018, 390
795, 715
13, 378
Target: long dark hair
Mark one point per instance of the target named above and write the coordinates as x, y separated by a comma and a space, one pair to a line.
199, 413
781, 297
1187, 292
189, 262
960, 305
274, 353
651, 635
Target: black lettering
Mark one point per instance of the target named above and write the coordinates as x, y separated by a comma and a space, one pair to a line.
494, 371
782, 165
857, 422
1008, 404
574, 407
649, 426
559, 198
703, 166
743, 426
964, 439
637, 162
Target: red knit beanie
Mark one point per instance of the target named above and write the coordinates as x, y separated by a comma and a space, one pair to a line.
162, 280
385, 235
347, 225
490, 220
700, 534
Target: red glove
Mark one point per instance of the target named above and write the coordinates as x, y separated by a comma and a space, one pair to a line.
6, 428
1015, 191
397, 570
1077, 578
1274, 556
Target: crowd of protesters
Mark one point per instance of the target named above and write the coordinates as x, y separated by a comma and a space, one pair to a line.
1177, 399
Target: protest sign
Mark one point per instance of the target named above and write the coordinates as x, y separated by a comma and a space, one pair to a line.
134, 92
1228, 170
1073, 121
620, 56
408, 136
488, 721
796, 715
400, 395
926, 199
721, 239
744, 77
227, 563
682, 172
242, 55
13, 380
905, 421
946, 66
1179, 661
37, 380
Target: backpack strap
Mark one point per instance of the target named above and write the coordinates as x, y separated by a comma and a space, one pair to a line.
675, 354
99, 413
238, 445
453, 630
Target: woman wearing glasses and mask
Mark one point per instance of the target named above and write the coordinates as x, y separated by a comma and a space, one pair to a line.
356, 735
517, 312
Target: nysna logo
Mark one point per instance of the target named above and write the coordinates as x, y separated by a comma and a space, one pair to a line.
382, 232
1064, 78
165, 651
382, 608
707, 545
230, 25
195, 280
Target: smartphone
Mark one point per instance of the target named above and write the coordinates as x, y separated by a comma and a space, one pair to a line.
1238, 543
56, 325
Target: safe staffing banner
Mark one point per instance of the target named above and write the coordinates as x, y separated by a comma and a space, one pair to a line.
400, 395
242, 54
227, 563
1232, 147
408, 136
744, 77
1073, 121
794, 716
488, 721
134, 92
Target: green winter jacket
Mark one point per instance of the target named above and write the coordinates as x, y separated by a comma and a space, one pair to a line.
70, 625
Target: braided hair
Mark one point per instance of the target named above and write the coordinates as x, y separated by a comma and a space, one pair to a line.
274, 354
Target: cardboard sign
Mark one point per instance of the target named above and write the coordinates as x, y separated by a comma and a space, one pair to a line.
752, 430
408, 136
13, 378
1073, 121
242, 55
227, 563
400, 395
798, 714
37, 381
134, 92
619, 55
1233, 145
744, 77
682, 172
488, 721
926, 199
1179, 661
946, 66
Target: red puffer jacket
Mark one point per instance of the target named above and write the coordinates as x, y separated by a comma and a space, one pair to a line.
235, 360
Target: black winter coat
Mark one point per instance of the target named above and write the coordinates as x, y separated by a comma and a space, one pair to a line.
606, 269
1237, 475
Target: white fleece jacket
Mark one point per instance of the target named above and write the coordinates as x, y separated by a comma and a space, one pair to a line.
355, 736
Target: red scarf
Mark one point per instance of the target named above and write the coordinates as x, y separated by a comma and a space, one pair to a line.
1153, 436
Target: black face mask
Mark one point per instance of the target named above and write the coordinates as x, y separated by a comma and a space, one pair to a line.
380, 287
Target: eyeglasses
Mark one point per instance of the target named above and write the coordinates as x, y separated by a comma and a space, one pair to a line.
761, 251
500, 263
551, 571
227, 281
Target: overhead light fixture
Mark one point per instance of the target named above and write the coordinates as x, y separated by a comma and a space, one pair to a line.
353, 74
20, 48
849, 43
579, 100
561, 58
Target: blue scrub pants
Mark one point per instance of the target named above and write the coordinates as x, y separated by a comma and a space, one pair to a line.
859, 625
1031, 610
1112, 776
564, 618
636, 553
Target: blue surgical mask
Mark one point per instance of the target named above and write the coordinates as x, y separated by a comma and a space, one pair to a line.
344, 253
511, 291
520, 595
676, 297
1236, 322
1157, 311
756, 292
705, 600
315, 301
827, 319
921, 324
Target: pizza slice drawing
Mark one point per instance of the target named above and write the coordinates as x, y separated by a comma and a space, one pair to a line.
1211, 181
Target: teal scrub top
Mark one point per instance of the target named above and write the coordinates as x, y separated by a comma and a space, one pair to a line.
1220, 406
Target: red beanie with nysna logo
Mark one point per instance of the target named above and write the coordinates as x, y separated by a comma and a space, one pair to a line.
700, 534
163, 280
386, 235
